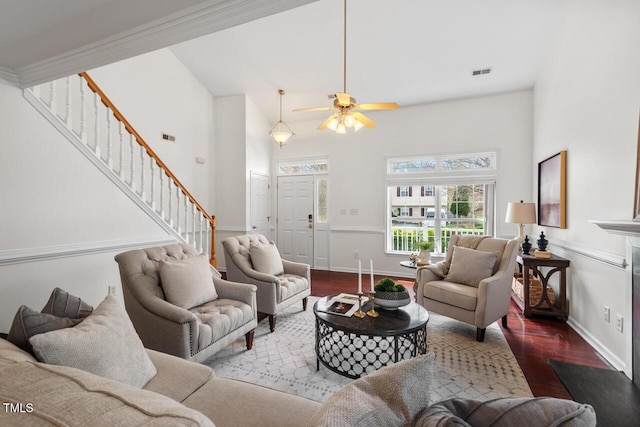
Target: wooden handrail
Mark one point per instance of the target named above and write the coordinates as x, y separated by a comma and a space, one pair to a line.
118, 115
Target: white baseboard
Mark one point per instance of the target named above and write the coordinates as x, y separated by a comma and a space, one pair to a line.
597, 345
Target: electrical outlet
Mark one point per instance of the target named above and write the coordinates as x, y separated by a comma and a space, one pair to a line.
112, 290
619, 322
607, 314
356, 255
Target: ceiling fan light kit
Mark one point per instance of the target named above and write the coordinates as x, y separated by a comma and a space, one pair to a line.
349, 115
281, 132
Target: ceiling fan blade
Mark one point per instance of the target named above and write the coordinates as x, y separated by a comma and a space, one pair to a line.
344, 99
326, 122
314, 109
363, 119
377, 106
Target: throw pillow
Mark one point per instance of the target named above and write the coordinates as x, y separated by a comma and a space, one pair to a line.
62, 304
392, 396
507, 412
28, 322
187, 283
105, 343
266, 259
470, 266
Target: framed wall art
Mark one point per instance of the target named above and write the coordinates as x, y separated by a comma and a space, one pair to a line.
552, 191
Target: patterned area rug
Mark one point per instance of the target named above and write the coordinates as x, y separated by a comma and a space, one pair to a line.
285, 360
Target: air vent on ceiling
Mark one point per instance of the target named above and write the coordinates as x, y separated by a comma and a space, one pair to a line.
481, 71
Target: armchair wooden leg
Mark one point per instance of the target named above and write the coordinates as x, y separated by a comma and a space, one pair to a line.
504, 321
272, 322
248, 337
480, 334
304, 304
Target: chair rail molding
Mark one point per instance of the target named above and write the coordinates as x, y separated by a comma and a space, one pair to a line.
43, 253
611, 259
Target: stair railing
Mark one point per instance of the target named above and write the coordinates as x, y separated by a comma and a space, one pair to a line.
105, 136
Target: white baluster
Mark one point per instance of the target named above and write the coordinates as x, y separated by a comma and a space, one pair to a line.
201, 234
96, 105
178, 210
121, 151
132, 162
152, 163
36, 92
186, 219
193, 224
161, 211
142, 193
209, 233
68, 104
109, 159
83, 113
52, 97
170, 216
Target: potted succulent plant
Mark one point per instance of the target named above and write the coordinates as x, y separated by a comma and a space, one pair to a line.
391, 295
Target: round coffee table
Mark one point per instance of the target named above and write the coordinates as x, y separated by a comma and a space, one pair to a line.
353, 346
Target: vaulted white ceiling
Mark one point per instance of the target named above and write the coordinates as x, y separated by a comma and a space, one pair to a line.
407, 51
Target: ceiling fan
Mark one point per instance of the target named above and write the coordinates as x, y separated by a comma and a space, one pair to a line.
348, 113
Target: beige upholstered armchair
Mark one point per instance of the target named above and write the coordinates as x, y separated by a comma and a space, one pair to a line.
179, 304
473, 283
253, 259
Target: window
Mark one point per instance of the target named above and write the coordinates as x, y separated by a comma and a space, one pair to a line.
457, 198
303, 167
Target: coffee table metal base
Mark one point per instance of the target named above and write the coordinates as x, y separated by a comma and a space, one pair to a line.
352, 354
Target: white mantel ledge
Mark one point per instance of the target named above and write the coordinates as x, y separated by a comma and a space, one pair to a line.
625, 228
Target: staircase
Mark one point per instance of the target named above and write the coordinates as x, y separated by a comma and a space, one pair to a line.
78, 108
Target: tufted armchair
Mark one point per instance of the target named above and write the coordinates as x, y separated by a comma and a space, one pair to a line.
253, 259
193, 333
472, 284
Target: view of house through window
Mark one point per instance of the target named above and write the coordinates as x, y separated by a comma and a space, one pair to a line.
451, 196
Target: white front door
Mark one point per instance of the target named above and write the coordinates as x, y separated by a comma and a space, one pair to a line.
260, 205
295, 218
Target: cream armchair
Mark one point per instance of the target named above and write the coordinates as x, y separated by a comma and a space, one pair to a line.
253, 259
472, 284
226, 312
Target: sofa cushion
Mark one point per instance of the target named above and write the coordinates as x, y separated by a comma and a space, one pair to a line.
470, 266
507, 412
62, 304
455, 294
105, 343
392, 396
187, 283
177, 378
266, 259
10, 353
66, 396
217, 319
28, 322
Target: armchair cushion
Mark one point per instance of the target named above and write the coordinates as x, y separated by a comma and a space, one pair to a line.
470, 266
392, 396
266, 259
187, 283
105, 344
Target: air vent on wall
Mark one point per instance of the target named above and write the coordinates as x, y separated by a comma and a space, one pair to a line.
481, 71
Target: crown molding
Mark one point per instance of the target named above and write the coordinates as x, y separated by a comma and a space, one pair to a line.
8, 77
196, 21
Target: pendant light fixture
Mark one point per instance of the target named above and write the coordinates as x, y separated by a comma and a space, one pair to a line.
281, 132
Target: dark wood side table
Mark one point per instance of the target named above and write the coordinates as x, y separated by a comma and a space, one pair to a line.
531, 264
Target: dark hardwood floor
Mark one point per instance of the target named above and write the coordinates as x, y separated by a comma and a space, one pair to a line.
532, 340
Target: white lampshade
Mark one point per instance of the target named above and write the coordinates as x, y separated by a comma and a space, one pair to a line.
521, 213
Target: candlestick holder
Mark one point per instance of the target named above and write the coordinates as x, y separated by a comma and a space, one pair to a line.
360, 313
372, 312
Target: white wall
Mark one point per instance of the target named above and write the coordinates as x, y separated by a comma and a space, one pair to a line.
55, 203
586, 102
357, 163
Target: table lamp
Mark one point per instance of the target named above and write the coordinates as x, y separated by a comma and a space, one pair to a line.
521, 213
